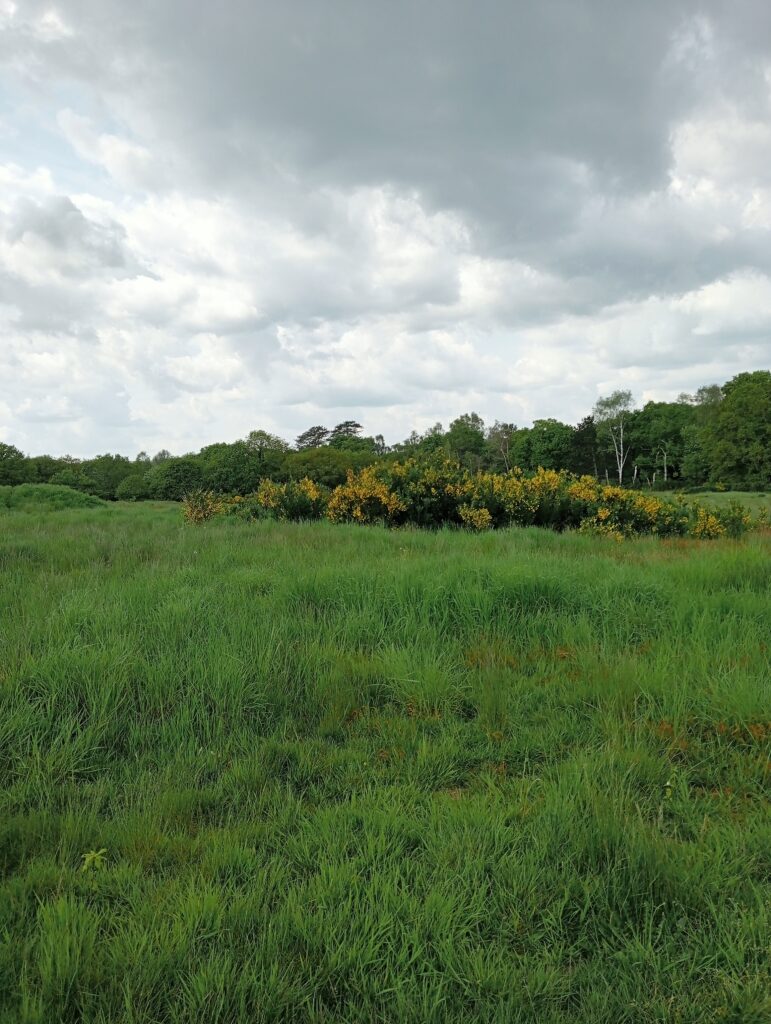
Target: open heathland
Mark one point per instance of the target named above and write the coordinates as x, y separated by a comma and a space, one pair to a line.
264, 771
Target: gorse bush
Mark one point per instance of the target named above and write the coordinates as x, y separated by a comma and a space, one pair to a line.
296, 500
439, 492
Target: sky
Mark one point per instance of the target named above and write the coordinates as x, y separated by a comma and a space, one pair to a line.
247, 215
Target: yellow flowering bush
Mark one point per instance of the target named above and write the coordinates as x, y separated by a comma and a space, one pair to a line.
438, 491
707, 525
303, 499
476, 518
198, 506
363, 498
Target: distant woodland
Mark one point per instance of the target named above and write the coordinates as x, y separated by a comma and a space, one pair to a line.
718, 437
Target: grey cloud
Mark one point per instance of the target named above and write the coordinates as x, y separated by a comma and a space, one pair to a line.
513, 175
79, 245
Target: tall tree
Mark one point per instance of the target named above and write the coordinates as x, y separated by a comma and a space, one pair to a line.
465, 440
313, 437
612, 415
499, 437
11, 464
583, 456
551, 444
739, 435
261, 442
348, 428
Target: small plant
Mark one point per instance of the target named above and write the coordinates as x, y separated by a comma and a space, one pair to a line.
94, 860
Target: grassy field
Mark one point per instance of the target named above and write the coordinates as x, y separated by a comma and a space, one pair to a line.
342, 774
753, 501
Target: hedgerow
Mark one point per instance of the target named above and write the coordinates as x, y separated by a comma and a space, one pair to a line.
439, 492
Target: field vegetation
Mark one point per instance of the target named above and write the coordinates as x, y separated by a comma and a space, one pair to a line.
269, 771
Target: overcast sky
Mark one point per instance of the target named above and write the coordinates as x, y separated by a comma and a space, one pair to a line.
219, 217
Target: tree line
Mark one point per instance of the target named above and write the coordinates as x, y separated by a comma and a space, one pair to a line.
720, 436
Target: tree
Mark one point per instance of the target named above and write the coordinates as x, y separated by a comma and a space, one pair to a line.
520, 448
465, 440
348, 428
551, 444
739, 434
313, 437
171, 479
499, 437
261, 441
237, 468
325, 465
162, 456
612, 414
133, 488
106, 472
656, 434
73, 476
583, 455
11, 464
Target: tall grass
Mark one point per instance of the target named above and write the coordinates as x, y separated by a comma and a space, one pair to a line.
350, 774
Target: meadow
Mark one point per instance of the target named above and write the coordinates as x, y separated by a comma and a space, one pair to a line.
263, 771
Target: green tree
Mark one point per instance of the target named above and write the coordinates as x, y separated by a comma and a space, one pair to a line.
237, 468
612, 415
465, 440
106, 473
325, 465
739, 434
551, 444
348, 428
173, 478
73, 476
133, 488
656, 433
583, 448
313, 437
267, 445
498, 438
520, 448
12, 464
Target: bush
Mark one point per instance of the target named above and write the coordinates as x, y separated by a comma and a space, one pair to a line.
46, 496
437, 491
133, 488
295, 500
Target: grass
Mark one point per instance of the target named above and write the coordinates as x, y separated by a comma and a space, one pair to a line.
753, 501
325, 773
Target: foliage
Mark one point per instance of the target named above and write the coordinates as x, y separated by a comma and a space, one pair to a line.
11, 465
720, 436
171, 479
611, 414
295, 500
327, 466
199, 505
133, 488
364, 498
739, 433
45, 496
313, 437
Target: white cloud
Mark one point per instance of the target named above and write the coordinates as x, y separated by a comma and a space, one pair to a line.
270, 218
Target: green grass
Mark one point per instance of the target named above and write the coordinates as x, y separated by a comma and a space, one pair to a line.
753, 501
349, 775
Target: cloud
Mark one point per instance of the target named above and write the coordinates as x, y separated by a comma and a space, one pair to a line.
272, 214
